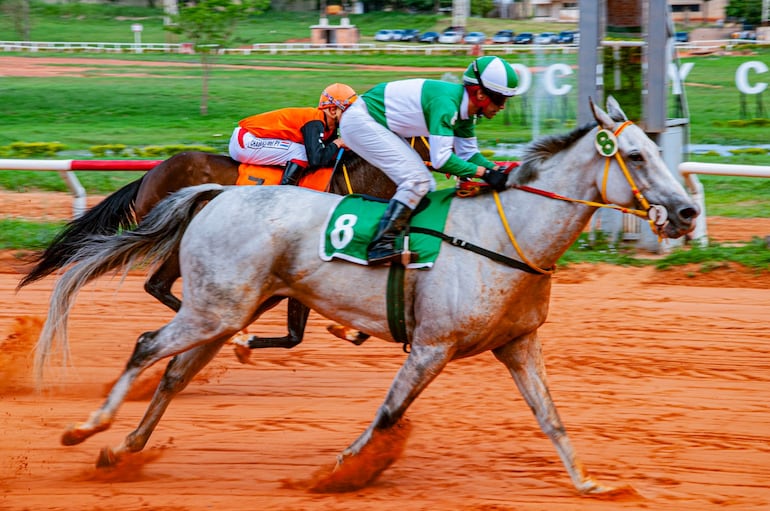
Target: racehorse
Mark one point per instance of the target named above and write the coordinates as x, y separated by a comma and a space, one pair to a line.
467, 304
133, 201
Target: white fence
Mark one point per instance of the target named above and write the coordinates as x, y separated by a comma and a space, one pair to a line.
690, 169
287, 48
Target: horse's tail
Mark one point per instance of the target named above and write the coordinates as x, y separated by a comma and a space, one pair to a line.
151, 242
111, 215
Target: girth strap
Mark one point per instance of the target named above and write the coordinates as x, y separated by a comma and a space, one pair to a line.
457, 242
395, 305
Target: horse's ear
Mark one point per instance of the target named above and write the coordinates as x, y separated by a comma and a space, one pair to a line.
604, 120
613, 108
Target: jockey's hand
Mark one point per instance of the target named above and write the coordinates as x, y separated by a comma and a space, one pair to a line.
496, 179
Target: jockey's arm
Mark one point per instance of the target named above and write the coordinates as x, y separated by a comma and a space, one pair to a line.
320, 152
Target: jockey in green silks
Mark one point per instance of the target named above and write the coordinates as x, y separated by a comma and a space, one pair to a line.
376, 128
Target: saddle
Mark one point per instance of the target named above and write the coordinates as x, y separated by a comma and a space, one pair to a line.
271, 175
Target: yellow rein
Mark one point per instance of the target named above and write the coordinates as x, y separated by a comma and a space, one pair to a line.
513, 238
642, 200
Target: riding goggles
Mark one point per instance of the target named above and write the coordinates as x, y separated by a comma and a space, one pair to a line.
342, 105
495, 97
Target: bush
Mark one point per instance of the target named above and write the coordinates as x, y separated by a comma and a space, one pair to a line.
35, 149
103, 150
169, 150
749, 150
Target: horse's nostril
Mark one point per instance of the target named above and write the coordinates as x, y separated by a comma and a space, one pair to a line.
688, 213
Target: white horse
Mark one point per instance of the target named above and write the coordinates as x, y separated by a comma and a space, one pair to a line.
465, 305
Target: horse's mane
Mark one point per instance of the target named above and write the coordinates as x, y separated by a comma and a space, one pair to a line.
540, 150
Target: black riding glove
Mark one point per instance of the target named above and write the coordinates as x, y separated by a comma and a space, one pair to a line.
496, 179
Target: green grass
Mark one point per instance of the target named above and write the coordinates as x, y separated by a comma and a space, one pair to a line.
26, 235
751, 255
112, 23
739, 197
754, 255
95, 183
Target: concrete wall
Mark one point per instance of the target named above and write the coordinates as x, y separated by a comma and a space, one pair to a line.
325, 33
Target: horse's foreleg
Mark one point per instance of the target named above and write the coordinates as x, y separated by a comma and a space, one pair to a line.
383, 441
159, 284
524, 359
179, 372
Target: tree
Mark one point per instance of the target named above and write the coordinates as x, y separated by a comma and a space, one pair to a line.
210, 25
482, 7
748, 11
17, 11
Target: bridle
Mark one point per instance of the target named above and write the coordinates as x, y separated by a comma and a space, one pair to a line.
607, 145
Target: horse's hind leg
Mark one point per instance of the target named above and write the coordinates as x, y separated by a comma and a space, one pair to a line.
524, 359
296, 314
179, 372
159, 284
184, 332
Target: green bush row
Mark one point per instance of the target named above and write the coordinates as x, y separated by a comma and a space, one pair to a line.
50, 149
744, 123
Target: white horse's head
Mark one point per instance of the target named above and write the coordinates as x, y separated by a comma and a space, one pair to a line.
624, 144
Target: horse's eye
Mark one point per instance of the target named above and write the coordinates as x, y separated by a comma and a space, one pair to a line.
635, 156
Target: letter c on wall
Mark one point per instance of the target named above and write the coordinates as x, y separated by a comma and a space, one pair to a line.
742, 77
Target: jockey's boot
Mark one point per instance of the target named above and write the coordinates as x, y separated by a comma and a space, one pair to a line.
292, 173
383, 249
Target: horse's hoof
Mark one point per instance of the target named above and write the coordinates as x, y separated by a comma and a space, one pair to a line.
348, 334
75, 435
243, 354
591, 488
107, 458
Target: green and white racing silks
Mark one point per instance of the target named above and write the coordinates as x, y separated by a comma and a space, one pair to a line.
434, 109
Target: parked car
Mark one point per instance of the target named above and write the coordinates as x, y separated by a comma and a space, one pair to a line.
681, 37
546, 38
429, 37
411, 35
524, 38
568, 37
384, 35
503, 37
475, 38
450, 37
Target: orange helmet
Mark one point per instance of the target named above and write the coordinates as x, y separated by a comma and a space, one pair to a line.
339, 95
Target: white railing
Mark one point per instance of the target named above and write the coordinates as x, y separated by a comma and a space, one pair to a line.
689, 171
92, 47
66, 169
282, 48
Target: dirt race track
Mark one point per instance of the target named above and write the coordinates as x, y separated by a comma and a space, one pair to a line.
662, 380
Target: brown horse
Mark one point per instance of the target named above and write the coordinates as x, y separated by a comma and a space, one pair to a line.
127, 206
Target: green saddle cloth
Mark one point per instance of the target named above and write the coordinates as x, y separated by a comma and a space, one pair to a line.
353, 223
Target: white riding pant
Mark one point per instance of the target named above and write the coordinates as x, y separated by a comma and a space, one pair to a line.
387, 151
246, 148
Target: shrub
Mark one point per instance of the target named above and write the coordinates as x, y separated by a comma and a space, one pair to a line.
35, 149
749, 150
103, 150
169, 150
